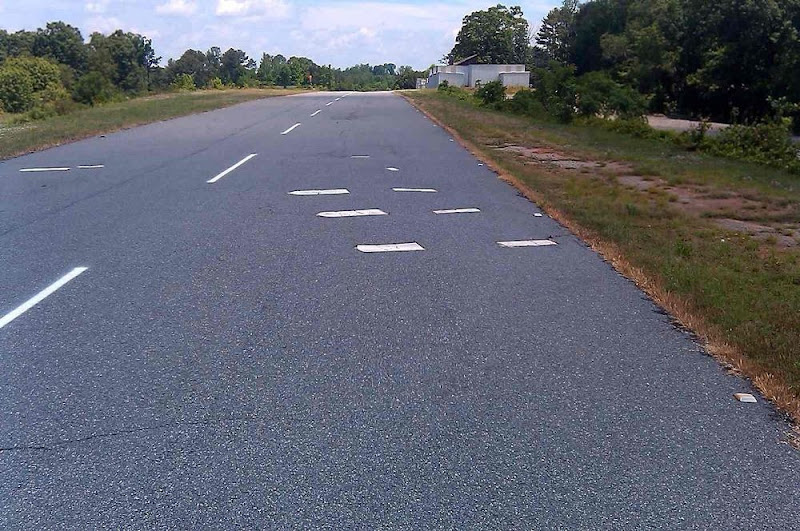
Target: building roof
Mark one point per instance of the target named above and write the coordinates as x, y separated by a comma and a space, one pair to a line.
471, 60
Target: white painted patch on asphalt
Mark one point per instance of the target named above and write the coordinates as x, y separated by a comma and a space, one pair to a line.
39, 297
292, 128
538, 215
390, 248
390, 168
226, 172
527, 243
359, 156
337, 99
428, 190
332, 191
316, 112
457, 211
352, 213
91, 167
745, 397
329, 103
31, 170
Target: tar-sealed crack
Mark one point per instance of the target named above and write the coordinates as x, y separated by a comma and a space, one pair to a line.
120, 433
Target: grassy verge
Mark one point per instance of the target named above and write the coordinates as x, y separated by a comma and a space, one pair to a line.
716, 242
18, 139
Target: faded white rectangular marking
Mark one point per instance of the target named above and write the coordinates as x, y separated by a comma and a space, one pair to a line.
226, 172
337, 99
316, 112
31, 170
292, 128
39, 297
332, 191
457, 211
352, 213
329, 103
91, 167
359, 156
429, 190
390, 248
391, 168
527, 243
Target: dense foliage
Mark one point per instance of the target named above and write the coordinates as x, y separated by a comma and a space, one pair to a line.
51, 70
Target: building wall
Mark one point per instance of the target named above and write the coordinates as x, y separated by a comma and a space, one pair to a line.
487, 73
455, 79
515, 79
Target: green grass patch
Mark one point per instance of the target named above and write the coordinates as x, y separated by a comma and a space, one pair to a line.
746, 291
17, 139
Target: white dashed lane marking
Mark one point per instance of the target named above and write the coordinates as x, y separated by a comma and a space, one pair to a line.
527, 243
333, 191
316, 112
390, 248
352, 213
428, 190
31, 170
226, 172
91, 167
42, 295
329, 103
292, 128
359, 156
390, 168
457, 211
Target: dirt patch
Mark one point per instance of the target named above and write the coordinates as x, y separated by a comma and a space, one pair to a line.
549, 156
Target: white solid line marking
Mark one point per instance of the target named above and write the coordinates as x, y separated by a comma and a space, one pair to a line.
527, 243
226, 172
359, 156
28, 170
329, 103
413, 189
391, 247
39, 297
333, 191
316, 112
457, 211
390, 168
91, 167
292, 128
352, 213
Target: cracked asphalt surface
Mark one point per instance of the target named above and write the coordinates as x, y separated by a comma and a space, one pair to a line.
230, 360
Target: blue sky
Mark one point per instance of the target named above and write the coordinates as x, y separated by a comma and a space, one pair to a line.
342, 33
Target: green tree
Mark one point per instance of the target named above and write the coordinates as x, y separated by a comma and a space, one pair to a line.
234, 65
496, 35
63, 44
556, 36
16, 89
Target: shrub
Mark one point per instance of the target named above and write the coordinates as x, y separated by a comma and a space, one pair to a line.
215, 83
93, 88
599, 95
526, 102
556, 91
16, 89
453, 91
43, 73
443, 86
183, 82
492, 92
765, 143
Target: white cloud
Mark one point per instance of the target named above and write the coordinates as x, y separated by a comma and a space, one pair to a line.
176, 7
272, 9
104, 25
98, 6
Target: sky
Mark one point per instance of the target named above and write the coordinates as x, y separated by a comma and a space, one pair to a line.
339, 32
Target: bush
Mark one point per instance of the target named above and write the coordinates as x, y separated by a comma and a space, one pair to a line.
183, 82
492, 92
764, 143
526, 102
556, 91
43, 73
16, 89
599, 95
453, 91
443, 86
93, 88
215, 83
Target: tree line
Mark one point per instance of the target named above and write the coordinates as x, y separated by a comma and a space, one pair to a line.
53, 69
727, 59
